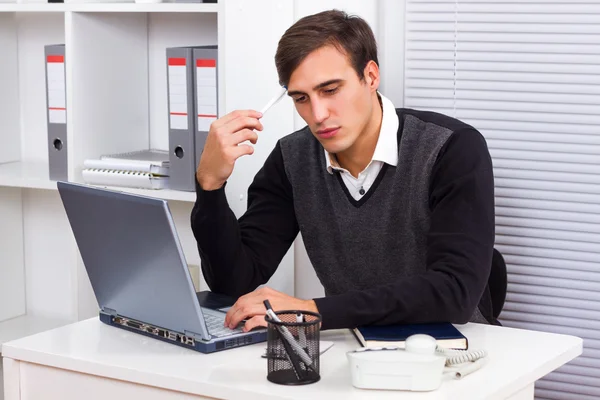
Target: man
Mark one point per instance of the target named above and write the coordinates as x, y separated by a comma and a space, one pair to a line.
396, 207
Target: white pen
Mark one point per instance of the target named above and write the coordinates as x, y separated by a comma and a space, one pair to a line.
274, 100
301, 333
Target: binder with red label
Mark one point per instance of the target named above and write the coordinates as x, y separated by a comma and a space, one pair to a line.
182, 126
207, 94
56, 112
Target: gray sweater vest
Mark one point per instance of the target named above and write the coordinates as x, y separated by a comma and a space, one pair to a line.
380, 239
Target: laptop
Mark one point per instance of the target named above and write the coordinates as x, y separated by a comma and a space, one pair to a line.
133, 257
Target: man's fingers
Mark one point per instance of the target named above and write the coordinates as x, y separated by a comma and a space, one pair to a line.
232, 310
242, 150
243, 135
245, 312
257, 320
236, 114
250, 306
241, 303
238, 124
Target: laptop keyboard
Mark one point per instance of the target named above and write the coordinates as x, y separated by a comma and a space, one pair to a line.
214, 323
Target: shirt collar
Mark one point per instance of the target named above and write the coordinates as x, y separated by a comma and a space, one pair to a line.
386, 149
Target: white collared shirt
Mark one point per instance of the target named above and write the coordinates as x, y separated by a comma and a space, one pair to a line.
386, 151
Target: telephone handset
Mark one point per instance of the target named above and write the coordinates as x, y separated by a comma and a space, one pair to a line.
418, 367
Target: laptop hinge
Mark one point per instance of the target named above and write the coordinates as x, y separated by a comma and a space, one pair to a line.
109, 311
194, 335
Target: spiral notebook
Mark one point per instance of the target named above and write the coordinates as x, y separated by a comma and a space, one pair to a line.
145, 169
152, 161
133, 179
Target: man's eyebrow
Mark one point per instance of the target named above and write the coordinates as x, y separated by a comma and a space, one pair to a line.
319, 86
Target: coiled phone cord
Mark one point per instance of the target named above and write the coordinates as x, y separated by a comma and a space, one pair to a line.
456, 358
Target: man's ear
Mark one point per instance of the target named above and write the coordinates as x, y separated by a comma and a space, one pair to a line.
371, 74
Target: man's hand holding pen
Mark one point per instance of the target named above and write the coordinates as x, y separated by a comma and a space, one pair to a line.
225, 144
227, 141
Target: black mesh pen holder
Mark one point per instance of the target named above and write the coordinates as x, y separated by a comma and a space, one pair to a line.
293, 347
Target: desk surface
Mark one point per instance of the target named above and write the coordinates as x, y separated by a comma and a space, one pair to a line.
516, 358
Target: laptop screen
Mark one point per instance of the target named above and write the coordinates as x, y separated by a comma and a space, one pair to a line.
133, 257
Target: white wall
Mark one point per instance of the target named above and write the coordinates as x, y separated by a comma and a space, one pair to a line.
251, 82
12, 284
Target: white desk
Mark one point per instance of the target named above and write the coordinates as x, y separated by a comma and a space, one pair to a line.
94, 361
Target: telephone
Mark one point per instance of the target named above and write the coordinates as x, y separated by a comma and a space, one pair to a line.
418, 367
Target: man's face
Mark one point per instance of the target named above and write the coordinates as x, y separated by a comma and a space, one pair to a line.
332, 100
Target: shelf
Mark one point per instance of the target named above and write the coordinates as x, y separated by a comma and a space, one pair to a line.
166, 194
144, 7
26, 175
111, 7
117, 101
35, 176
32, 7
16, 328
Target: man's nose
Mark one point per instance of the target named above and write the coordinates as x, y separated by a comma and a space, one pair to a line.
320, 111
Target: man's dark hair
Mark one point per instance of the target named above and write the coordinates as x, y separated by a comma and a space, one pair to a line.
351, 35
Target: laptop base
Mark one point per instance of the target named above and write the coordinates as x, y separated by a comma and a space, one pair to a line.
178, 339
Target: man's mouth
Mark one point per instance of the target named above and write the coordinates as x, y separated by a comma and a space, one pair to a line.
327, 133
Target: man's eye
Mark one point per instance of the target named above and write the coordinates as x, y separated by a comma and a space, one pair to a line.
299, 99
331, 91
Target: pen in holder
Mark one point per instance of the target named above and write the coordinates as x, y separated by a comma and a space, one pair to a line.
292, 346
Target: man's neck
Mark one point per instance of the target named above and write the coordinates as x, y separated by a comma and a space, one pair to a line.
356, 158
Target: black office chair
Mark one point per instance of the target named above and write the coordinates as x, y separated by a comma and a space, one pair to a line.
497, 285
498, 282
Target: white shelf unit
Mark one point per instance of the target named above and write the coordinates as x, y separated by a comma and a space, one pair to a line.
110, 7
116, 102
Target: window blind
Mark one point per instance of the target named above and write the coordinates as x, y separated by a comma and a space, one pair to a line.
526, 74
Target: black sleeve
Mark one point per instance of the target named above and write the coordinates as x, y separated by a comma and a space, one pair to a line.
459, 249
238, 256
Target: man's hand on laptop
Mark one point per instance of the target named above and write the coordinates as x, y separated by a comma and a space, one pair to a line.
250, 307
